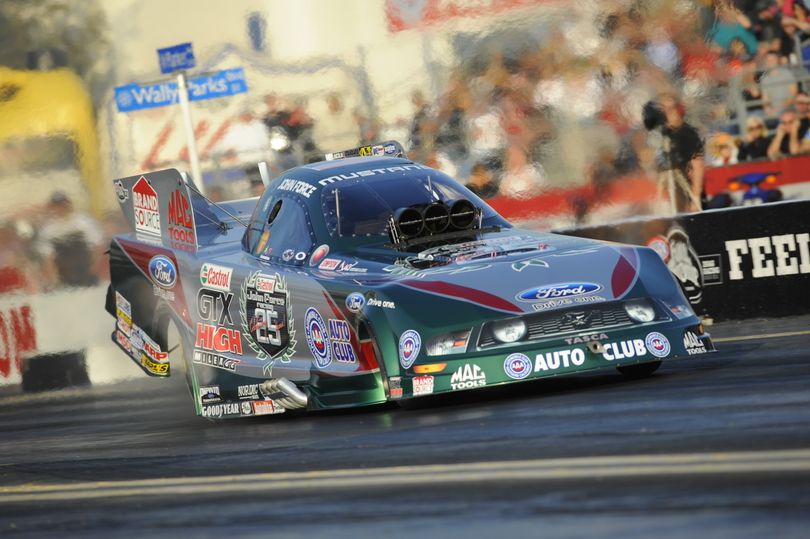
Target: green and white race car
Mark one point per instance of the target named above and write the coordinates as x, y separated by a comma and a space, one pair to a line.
366, 278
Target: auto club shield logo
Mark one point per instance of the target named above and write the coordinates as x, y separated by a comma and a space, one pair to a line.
657, 344
517, 366
409, 345
317, 339
266, 316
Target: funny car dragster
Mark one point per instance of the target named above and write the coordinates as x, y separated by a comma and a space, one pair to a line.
366, 278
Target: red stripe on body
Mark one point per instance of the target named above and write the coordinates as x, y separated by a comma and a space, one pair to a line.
362, 364
141, 254
485, 299
624, 273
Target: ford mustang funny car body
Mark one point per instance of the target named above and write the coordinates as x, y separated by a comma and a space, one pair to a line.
367, 278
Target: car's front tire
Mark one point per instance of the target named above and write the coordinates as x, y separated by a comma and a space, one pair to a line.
639, 370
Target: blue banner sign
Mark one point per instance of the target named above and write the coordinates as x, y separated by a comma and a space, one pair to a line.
176, 58
132, 97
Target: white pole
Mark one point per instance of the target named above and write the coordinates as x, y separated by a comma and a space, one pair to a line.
193, 158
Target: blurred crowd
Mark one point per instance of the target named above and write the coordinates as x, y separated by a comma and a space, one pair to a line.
568, 109
565, 109
766, 48
562, 109
55, 246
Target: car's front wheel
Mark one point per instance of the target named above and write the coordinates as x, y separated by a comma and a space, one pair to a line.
640, 370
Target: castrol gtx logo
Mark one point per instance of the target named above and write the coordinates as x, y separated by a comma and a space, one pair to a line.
216, 277
560, 290
162, 271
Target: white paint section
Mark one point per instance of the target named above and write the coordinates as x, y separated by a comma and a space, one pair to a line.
761, 336
804, 252
735, 250
784, 461
783, 245
770, 256
66, 321
761, 265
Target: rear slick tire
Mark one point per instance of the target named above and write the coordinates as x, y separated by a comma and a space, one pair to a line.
177, 359
639, 370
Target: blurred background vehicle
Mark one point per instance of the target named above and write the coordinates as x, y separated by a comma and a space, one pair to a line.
748, 189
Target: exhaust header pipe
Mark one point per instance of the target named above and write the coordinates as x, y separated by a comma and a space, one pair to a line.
293, 397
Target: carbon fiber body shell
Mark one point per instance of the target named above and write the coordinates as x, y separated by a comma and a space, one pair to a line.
354, 322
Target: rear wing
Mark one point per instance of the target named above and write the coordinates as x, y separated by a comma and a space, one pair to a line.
162, 209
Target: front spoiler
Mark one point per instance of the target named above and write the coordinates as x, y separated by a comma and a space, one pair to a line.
646, 344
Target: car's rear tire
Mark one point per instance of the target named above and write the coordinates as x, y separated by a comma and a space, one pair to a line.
639, 370
177, 360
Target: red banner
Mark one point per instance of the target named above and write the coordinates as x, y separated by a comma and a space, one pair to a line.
17, 338
409, 14
790, 170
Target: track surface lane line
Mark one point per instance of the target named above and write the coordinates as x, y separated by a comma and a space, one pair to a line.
777, 461
761, 336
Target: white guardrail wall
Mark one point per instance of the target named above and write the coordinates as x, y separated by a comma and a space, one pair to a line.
60, 321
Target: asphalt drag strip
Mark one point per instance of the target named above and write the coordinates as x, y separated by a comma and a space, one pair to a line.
535, 470
715, 445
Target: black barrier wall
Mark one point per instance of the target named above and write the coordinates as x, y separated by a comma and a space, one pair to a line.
733, 263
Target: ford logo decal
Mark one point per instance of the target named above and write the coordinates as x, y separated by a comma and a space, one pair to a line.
162, 270
355, 302
557, 291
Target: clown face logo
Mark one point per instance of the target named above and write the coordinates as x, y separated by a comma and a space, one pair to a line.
317, 338
409, 345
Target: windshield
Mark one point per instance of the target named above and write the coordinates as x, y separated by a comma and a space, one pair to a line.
365, 205
280, 230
